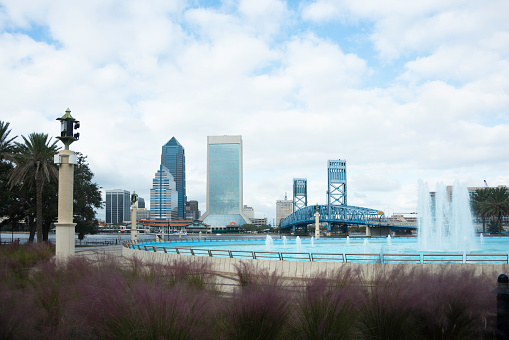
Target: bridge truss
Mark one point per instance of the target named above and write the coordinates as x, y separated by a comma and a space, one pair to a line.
339, 215
300, 193
336, 213
336, 178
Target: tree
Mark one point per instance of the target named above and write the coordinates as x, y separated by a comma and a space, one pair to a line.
6, 196
87, 197
6, 144
34, 163
478, 200
492, 226
497, 205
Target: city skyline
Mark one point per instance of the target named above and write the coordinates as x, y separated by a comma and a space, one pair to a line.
402, 91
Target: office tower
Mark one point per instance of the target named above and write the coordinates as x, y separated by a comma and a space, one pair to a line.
224, 182
283, 209
141, 203
249, 212
142, 214
174, 159
118, 204
163, 196
192, 211
259, 222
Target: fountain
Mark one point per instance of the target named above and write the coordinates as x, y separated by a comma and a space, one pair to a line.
269, 243
298, 242
444, 223
366, 245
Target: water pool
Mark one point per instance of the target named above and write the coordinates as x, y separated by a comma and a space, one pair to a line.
483, 250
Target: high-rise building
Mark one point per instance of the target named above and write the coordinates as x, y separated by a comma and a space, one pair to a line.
118, 204
259, 222
224, 182
174, 159
283, 208
143, 214
141, 203
192, 211
163, 196
249, 212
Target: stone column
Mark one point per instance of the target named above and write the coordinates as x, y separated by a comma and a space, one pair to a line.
134, 232
65, 228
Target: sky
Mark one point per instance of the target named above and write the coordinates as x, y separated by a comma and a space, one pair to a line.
402, 90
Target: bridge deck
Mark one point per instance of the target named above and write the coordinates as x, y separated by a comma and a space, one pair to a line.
342, 215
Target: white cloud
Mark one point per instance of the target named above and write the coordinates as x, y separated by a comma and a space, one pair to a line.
137, 73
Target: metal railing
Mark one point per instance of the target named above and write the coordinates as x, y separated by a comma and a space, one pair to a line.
416, 258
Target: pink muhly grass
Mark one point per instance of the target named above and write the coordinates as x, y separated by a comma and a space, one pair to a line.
450, 304
193, 274
116, 308
256, 313
248, 275
389, 307
457, 304
18, 315
327, 308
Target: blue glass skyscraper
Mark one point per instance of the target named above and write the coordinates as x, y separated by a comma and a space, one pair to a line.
224, 182
174, 159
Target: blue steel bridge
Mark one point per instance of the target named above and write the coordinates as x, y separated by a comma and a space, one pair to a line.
336, 212
338, 217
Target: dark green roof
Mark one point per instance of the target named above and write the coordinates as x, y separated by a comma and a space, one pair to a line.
173, 142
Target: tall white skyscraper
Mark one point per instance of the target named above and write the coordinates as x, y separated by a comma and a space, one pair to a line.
224, 182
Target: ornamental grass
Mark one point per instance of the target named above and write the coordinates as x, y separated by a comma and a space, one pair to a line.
110, 299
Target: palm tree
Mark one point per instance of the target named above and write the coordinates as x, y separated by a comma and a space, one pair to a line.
479, 201
6, 145
34, 162
497, 205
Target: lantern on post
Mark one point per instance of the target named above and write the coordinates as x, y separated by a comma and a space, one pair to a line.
317, 221
134, 222
66, 159
67, 126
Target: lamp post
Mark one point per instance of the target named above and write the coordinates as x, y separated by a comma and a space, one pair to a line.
134, 199
317, 221
66, 159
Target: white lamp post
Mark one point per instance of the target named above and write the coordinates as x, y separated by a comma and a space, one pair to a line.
317, 222
66, 159
134, 231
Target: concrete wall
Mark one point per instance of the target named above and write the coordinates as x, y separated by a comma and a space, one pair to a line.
305, 269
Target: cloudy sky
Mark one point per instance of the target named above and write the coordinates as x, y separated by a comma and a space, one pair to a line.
403, 90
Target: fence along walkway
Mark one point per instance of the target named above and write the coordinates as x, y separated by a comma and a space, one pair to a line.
328, 257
